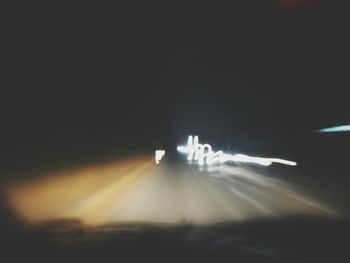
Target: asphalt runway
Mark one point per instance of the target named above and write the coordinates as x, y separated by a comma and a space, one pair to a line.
137, 190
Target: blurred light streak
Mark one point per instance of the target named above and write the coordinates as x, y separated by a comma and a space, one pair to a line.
204, 154
343, 128
159, 155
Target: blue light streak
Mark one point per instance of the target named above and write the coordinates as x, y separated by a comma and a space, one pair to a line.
343, 128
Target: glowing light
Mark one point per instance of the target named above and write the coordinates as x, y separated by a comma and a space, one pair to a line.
204, 154
159, 155
87, 194
343, 128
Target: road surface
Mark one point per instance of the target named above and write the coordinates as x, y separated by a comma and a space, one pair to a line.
137, 190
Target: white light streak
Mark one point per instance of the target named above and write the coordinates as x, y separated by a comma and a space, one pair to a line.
343, 128
159, 155
204, 154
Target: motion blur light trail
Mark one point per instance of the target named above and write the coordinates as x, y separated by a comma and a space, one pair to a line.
137, 190
204, 154
343, 128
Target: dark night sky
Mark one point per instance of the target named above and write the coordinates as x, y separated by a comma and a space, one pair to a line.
99, 73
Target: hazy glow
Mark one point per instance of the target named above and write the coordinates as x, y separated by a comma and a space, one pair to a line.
343, 128
135, 190
87, 194
159, 155
204, 154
